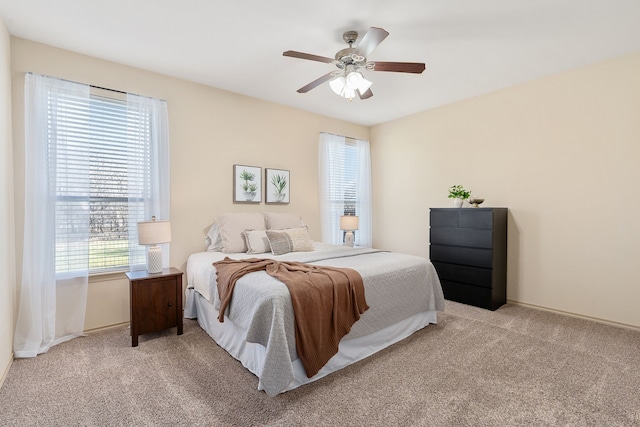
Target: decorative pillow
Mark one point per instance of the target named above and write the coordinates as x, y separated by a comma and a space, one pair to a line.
256, 241
213, 241
289, 240
231, 227
280, 221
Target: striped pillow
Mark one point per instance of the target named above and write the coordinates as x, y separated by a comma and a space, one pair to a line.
289, 240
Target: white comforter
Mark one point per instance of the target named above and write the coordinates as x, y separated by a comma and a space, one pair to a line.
397, 286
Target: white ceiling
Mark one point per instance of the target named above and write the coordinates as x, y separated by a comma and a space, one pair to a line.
470, 46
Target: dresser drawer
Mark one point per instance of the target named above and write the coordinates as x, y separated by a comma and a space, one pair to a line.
476, 218
467, 294
464, 274
474, 257
469, 237
443, 218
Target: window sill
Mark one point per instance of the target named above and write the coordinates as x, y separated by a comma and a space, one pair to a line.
107, 276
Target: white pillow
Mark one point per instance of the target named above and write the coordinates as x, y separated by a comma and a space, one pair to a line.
289, 240
231, 227
213, 241
256, 241
280, 221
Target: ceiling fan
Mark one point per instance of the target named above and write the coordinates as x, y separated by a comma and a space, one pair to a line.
347, 81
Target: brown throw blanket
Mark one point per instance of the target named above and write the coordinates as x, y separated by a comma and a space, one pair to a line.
327, 301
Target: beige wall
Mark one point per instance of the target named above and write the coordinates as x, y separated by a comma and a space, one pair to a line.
7, 261
210, 130
561, 153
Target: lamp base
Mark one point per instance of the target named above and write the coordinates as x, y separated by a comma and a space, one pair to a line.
154, 260
348, 239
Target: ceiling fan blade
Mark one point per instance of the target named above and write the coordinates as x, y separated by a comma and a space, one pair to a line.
399, 67
370, 41
302, 55
368, 94
315, 83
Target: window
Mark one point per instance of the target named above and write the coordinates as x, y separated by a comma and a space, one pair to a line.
345, 187
103, 162
94, 167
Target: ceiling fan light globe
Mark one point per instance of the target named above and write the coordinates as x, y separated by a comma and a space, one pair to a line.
364, 85
356, 80
353, 79
337, 85
348, 93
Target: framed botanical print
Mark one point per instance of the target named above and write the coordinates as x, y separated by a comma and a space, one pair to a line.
277, 186
247, 185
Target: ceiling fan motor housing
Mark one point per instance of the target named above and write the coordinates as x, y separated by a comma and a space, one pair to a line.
345, 56
350, 37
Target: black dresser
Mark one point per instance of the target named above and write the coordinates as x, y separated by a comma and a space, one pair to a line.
468, 247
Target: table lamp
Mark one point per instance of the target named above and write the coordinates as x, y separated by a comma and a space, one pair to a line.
348, 223
153, 233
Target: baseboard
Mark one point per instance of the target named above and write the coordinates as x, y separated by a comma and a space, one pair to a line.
105, 328
579, 316
5, 372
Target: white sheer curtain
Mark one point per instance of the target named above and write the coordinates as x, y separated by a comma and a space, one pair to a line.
341, 164
63, 124
364, 236
51, 309
148, 122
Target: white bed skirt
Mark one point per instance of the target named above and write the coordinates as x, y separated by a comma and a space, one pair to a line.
233, 339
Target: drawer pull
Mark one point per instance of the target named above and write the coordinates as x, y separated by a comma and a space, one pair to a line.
170, 305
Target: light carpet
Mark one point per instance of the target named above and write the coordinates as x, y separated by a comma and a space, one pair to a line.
514, 366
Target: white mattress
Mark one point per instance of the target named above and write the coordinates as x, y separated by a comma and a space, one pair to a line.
402, 291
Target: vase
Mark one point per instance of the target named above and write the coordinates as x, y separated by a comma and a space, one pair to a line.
457, 202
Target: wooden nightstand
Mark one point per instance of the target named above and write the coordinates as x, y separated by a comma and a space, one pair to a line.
156, 301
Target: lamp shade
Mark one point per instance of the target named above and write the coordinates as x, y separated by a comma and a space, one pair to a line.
348, 222
154, 232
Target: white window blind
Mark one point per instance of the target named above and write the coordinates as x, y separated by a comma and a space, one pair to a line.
343, 169
101, 138
345, 187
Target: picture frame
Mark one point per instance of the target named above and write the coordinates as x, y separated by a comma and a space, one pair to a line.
277, 186
247, 185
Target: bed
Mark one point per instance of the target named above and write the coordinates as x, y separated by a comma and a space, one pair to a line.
403, 293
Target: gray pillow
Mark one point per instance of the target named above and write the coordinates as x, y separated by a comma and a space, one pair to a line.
289, 240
